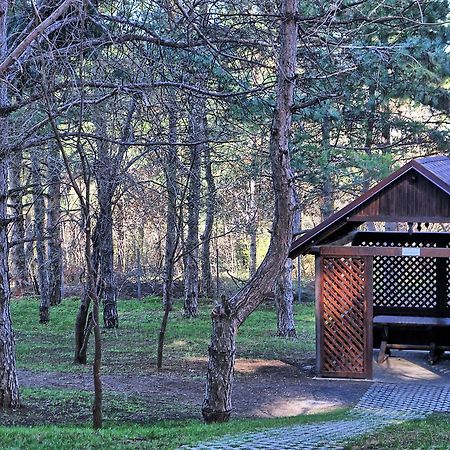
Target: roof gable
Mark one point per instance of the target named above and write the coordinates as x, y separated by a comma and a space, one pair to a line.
417, 192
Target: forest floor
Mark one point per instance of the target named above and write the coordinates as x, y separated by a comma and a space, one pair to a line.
146, 408
274, 376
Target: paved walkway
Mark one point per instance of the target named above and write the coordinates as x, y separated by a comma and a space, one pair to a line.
383, 404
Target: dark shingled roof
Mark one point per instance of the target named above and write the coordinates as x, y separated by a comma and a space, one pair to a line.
435, 169
438, 165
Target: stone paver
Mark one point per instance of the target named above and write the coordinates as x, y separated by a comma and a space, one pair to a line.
383, 404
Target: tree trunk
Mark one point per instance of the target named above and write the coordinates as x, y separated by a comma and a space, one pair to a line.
327, 198
284, 300
83, 329
170, 171
54, 226
228, 316
207, 285
39, 231
9, 386
191, 271
102, 237
253, 227
104, 260
370, 112
284, 291
217, 405
19, 269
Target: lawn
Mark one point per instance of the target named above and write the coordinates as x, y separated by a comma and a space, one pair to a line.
431, 433
132, 347
57, 409
157, 436
56, 416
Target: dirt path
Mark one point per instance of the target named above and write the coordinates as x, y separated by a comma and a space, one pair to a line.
262, 388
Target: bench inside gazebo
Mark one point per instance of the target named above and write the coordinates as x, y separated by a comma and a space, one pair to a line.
384, 289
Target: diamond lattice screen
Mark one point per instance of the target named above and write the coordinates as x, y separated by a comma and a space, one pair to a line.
343, 315
406, 282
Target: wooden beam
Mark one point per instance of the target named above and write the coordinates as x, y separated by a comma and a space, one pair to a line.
394, 218
385, 251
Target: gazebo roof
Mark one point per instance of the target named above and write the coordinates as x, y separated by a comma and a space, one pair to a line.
417, 192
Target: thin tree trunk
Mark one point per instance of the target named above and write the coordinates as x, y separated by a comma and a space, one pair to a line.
229, 315
327, 198
138, 274
170, 171
9, 386
39, 231
253, 227
103, 244
54, 226
207, 285
370, 112
284, 291
120, 234
104, 261
173, 224
19, 269
191, 272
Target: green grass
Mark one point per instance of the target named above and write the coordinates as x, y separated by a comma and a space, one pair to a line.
59, 418
430, 433
161, 435
51, 406
132, 347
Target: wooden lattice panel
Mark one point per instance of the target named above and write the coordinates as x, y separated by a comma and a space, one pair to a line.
406, 282
343, 308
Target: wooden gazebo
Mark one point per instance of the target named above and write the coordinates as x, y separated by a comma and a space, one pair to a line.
384, 289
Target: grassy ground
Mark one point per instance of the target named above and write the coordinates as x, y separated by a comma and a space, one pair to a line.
58, 418
431, 433
159, 436
132, 347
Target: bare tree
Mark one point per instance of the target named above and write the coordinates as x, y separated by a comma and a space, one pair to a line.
228, 315
54, 249
170, 172
39, 231
19, 269
207, 286
191, 272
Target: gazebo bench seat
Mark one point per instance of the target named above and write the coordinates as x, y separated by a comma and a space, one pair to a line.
430, 324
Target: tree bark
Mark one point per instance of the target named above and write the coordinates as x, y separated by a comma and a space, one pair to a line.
207, 285
39, 231
54, 248
9, 386
327, 198
370, 112
284, 290
102, 236
19, 269
253, 227
191, 272
170, 171
173, 223
228, 316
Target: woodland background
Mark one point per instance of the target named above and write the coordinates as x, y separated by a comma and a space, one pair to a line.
135, 140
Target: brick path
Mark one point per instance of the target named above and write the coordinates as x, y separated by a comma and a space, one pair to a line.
383, 404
